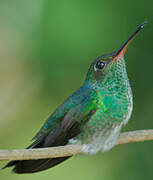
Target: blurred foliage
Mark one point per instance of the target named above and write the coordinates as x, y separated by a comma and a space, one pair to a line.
45, 50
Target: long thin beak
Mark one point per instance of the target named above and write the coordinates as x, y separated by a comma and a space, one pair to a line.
123, 48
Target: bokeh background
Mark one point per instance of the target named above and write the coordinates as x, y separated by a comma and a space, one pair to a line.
46, 47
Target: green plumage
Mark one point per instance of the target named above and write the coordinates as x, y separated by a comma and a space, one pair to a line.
105, 102
92, 116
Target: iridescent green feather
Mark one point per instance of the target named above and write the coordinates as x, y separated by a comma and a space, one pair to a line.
79, 105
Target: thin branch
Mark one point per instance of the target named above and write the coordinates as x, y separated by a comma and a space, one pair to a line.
70, 150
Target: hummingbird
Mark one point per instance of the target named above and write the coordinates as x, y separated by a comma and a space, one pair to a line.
92, 117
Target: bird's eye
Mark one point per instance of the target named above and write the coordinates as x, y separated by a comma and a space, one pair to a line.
99, 65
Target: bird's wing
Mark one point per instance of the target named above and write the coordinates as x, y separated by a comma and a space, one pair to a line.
65, 123
68, 118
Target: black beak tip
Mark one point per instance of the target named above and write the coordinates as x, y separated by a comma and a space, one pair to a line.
142, 25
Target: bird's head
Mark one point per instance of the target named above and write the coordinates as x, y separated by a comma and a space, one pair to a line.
110, 66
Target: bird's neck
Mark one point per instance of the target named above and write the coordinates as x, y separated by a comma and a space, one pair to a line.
116, 80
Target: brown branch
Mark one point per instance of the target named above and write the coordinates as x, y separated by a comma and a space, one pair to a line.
70, 150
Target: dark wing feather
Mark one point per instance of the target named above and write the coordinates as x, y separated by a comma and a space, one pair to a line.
69, 127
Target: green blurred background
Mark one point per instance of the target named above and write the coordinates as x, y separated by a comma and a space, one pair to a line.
46, 47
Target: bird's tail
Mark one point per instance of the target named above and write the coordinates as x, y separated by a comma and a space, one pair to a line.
59, 137
31, 166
